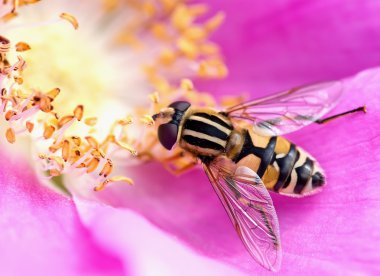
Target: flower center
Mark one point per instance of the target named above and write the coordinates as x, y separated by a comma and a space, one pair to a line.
61, 58
105, 69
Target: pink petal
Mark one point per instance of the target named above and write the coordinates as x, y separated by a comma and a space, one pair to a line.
271, 45
341, 224
334, 231
40, 230
149, 250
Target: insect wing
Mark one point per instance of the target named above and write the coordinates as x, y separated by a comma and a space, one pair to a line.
290, 110
250, 209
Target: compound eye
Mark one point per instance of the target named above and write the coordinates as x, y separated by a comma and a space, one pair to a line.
167, 135
181, 105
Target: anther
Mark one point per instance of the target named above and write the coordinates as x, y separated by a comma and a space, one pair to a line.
107, 169
29, 126
78, 112
154, 97
92, 142
215, 22
64, 120
76, 140
66, 150
121, 144
71, 19
10, 135
126, 121
148, 120
187, 84
91, 121
22, 47
52, 94
92, 165
48, 132
9, 114
113, 179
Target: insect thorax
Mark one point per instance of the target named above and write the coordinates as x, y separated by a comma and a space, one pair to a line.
205, 132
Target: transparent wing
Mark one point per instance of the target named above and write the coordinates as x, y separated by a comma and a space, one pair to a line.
250, 209
290, 110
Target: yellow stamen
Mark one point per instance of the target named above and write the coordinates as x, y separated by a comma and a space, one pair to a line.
107, 169
169, 21
195, 33
209, 49
182, 17
49, 131
98, 153
9, 114
188, 48
154, 97
78, 112
52, 94
92, 142
76, 140
66, 150
113, 179
44, 103
122, 144
9, 16
148, 120
64, 120
29, 126
159, 31
58, 160
28, 2
71, 19
92, 165
10, 135
127, 121
215, 22
22, 46
91, 121
55, 147
187, 84
18, 80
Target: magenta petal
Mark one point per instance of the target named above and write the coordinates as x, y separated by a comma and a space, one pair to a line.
271, 45
335, 231
149, 250
40, 230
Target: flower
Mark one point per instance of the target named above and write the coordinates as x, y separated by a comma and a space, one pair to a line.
95, 78
36, 109
331, 232
38, 224
271, 47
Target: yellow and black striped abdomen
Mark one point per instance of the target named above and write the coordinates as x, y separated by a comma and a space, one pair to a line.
283, 166
205, 134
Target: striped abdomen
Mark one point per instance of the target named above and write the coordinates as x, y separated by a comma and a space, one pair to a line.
205, 134
283, 167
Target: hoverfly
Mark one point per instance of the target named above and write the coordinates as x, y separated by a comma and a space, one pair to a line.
245, 160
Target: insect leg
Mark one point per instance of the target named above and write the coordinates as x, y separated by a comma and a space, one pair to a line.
179, 163
146, 154
187, 167
329, 119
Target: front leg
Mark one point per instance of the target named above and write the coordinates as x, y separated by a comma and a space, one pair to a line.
179, 163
